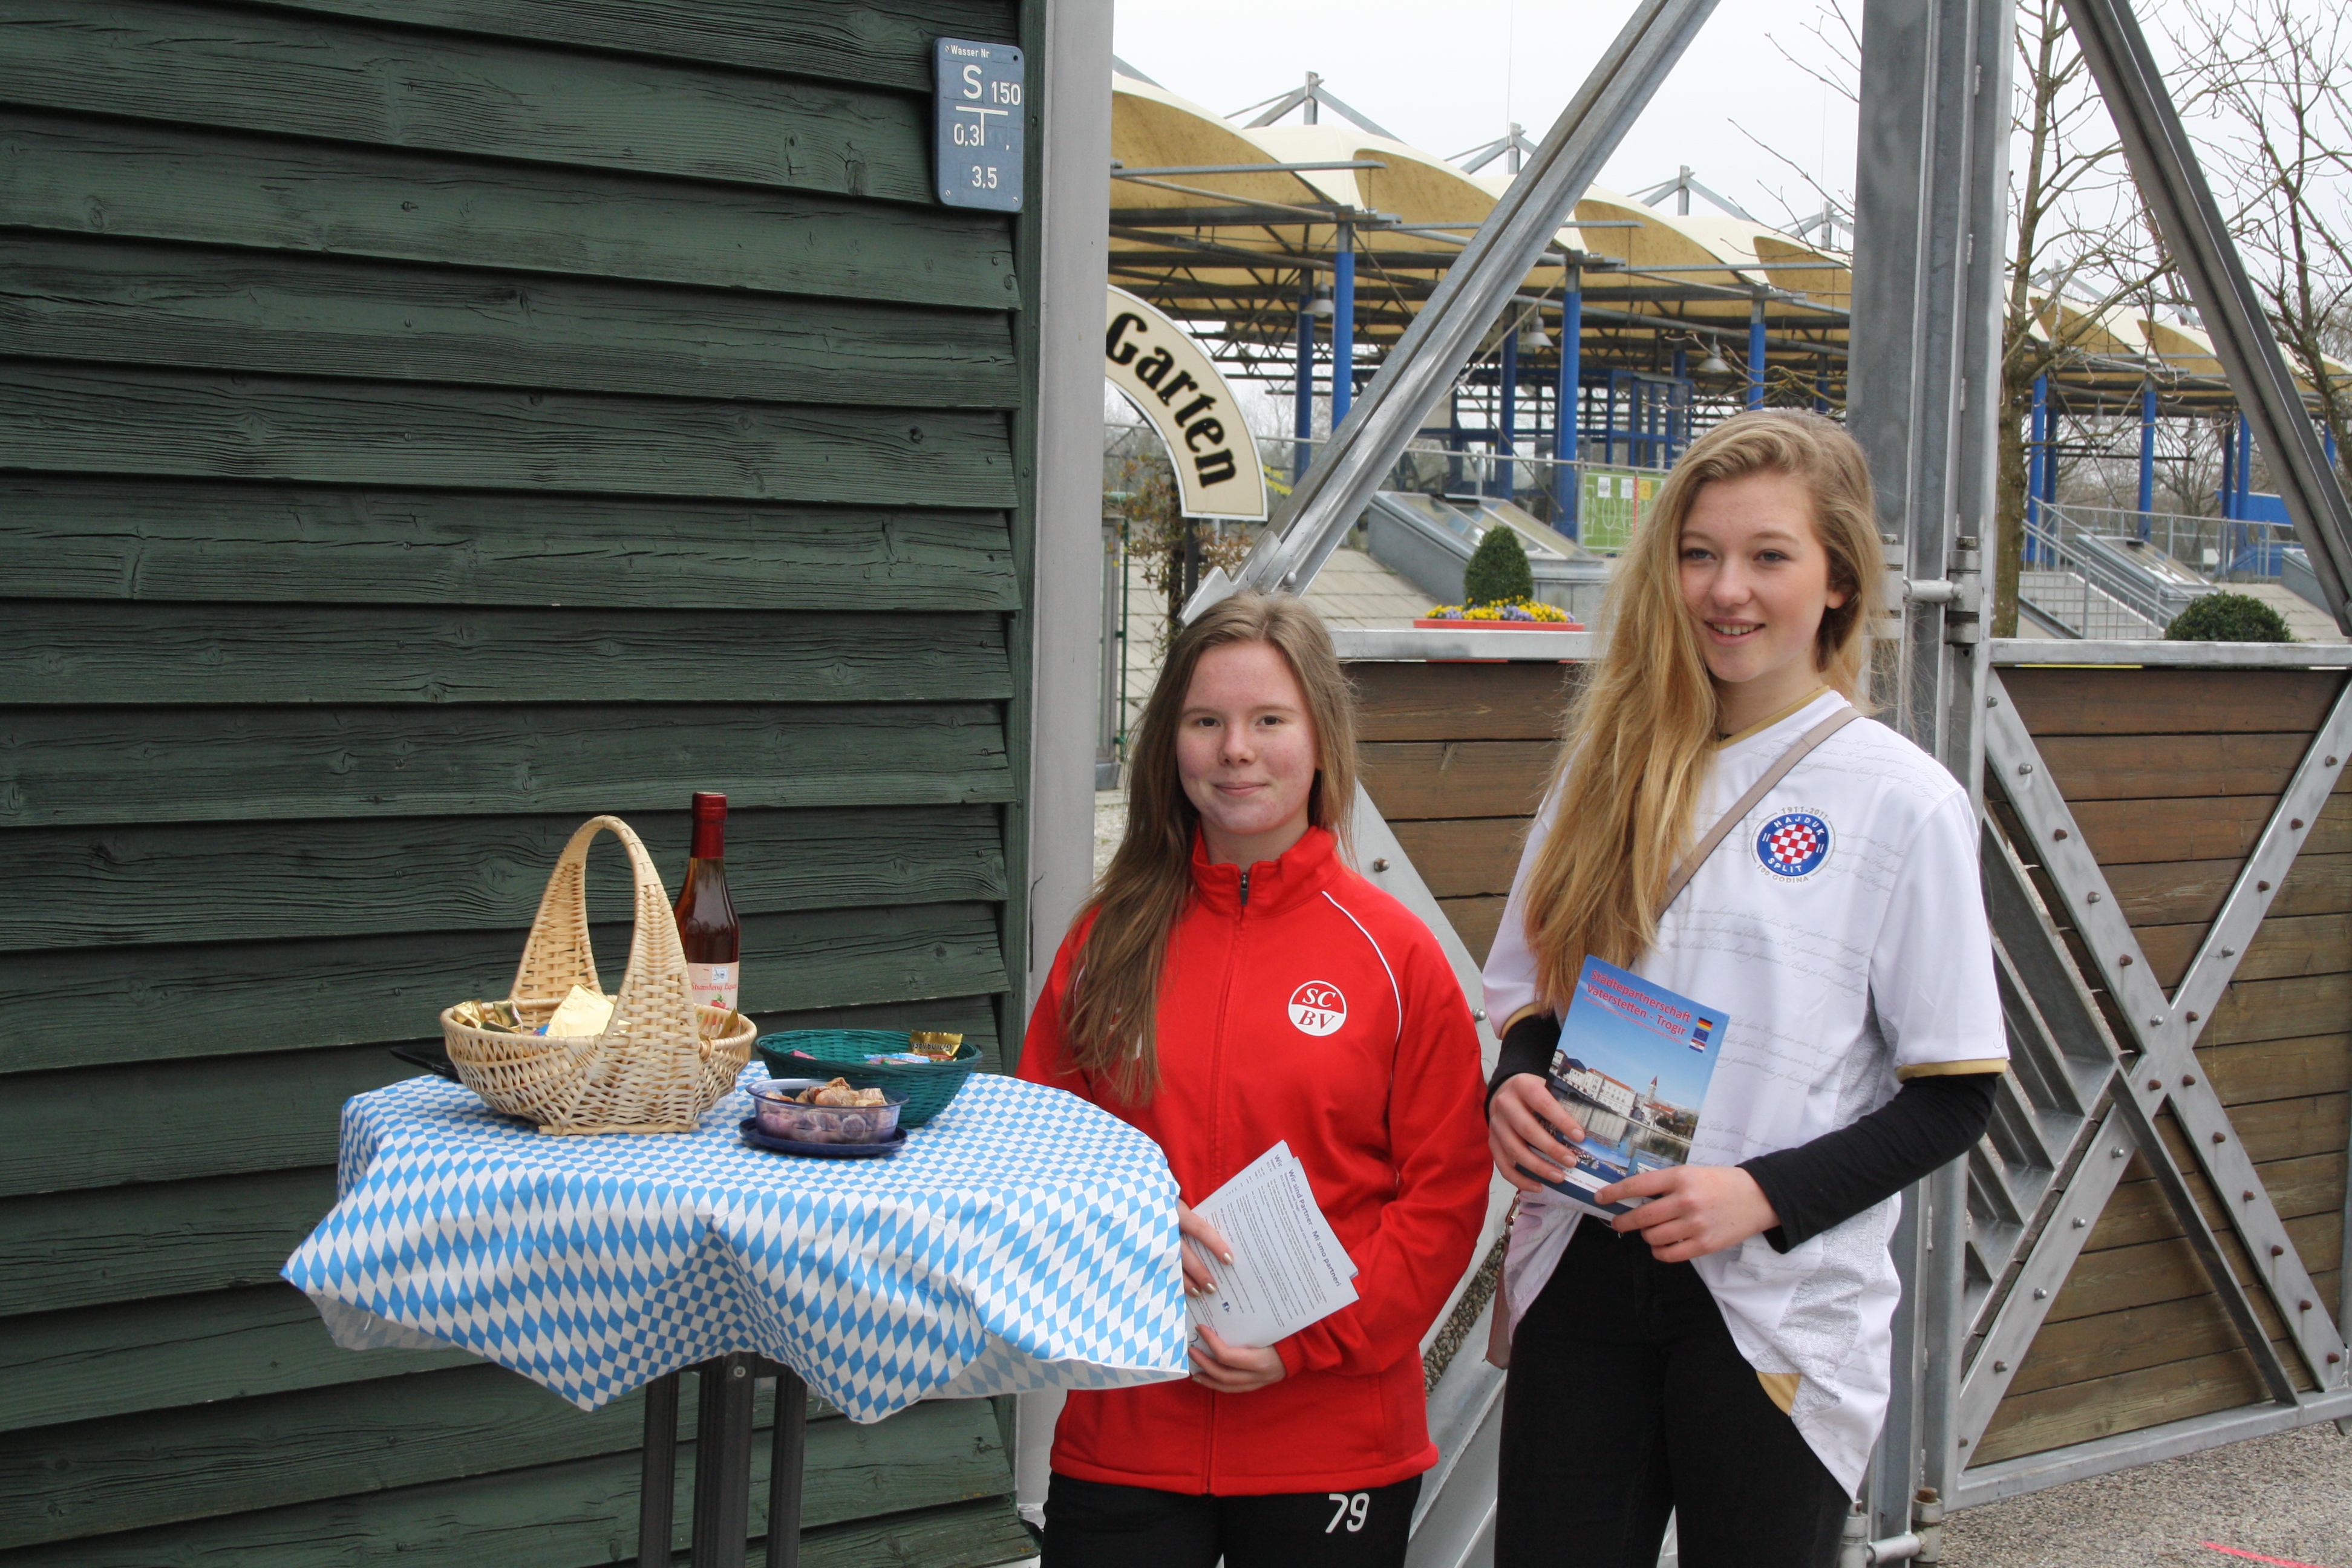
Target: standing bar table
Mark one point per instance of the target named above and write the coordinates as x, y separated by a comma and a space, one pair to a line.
1021, 1241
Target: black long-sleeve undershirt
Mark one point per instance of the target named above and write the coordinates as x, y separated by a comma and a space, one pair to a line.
1828, 1181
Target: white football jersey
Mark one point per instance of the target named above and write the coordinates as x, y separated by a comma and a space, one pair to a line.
1842, 926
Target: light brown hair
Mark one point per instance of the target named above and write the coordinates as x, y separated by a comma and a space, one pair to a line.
1109, 1014
1639, 739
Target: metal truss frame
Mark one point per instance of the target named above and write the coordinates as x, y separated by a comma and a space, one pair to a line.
2081, 1099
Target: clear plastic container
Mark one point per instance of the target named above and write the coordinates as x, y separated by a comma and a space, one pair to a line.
780, 1116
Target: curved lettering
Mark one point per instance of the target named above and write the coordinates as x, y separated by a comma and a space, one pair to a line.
1121, 352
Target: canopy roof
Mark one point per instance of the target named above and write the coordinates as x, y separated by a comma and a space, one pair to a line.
1227, 228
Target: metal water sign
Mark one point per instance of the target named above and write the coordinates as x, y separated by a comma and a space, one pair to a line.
979, 102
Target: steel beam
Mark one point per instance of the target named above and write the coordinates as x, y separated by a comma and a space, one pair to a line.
2104, 1456
1930, 177
2163, 168
1422, 366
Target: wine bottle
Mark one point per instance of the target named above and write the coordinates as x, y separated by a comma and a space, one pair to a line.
706, 925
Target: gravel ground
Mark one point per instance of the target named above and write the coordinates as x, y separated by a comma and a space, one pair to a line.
2284, 1498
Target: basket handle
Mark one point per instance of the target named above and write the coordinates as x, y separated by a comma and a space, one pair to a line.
654, 989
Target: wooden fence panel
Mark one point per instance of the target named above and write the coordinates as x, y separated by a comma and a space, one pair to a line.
2171, 775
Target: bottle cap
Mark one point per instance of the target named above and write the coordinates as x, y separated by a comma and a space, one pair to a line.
708, 804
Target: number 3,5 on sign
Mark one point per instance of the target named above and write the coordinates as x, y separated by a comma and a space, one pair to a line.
981, 122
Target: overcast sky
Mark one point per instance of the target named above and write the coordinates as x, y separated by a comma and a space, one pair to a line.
1449, 75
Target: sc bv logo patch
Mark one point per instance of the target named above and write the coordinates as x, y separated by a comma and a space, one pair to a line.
1793, 845
1317, 1008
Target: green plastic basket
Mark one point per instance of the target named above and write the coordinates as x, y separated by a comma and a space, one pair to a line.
928, 1086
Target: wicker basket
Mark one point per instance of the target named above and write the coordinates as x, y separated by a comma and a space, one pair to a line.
652, 1069
928, 1086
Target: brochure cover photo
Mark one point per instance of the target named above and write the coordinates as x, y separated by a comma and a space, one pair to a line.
1631, 1067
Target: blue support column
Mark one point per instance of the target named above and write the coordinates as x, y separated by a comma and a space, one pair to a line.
2147, 457
1821, 393
1567, 492
1608, 423
1678, 407
2037, 459
2246, 469
2228, 477
1755, 355
1506, 410
1303, 425
1343, 327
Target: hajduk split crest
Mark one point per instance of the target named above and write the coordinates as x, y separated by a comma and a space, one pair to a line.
1793, 845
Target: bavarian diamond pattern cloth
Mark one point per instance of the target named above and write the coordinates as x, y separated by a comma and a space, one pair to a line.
1022, 1239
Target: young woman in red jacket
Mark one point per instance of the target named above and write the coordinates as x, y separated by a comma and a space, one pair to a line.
1229, 984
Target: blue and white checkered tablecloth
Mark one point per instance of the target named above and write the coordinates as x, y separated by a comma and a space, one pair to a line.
1022, 1239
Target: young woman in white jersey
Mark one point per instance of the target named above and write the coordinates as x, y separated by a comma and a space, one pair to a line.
1721, 1352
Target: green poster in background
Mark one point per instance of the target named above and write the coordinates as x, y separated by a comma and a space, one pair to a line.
1614, 499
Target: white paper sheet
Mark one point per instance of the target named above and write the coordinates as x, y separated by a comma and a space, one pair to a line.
1288, 1268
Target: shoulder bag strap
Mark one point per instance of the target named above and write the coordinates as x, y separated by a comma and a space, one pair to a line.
1788, 759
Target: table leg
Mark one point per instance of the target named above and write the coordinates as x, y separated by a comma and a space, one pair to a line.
722, 1463
784, 1470
657, 1485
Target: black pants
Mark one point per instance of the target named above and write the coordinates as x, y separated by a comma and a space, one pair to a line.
1627, 1400
1089, 1524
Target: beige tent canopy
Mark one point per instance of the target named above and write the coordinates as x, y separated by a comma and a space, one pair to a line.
1231, 228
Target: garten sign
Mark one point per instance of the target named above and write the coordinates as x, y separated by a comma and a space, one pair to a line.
1159, 368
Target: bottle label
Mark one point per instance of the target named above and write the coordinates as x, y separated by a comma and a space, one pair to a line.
714, 985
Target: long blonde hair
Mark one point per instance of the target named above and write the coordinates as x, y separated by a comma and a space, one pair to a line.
1638, 742
1109, 1016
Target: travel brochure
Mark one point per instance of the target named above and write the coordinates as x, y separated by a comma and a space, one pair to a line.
1631, 1067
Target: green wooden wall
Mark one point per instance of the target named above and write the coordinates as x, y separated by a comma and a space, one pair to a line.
425, 423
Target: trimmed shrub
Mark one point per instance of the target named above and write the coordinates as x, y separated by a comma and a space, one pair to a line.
2228, 617
1497, 571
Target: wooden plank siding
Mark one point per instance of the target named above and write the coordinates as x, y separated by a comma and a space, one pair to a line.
1457, 757
427, 425
2171, 775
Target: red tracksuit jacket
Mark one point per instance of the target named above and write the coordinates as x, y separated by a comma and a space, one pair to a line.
1302, 1004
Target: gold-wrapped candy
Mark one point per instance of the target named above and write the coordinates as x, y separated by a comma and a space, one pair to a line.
499, 1017
939, 1048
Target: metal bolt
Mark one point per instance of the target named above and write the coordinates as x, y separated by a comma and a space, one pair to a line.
2000, 1367
2333, 1358
2155, 1022
2277, 1251
2024, 768
2154, 1084
2080, 1222
1479, 1014
1380, 865
2220, 1138
2303, 1306
2060, 834
2248, 1195
2123, 961
740, 1372
2229, 952
2039, 1294
1964, 1442
1992, 701
2187, 1080
2295, 822
2192, 1017
2331, 762
2090, 897
2262, 887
